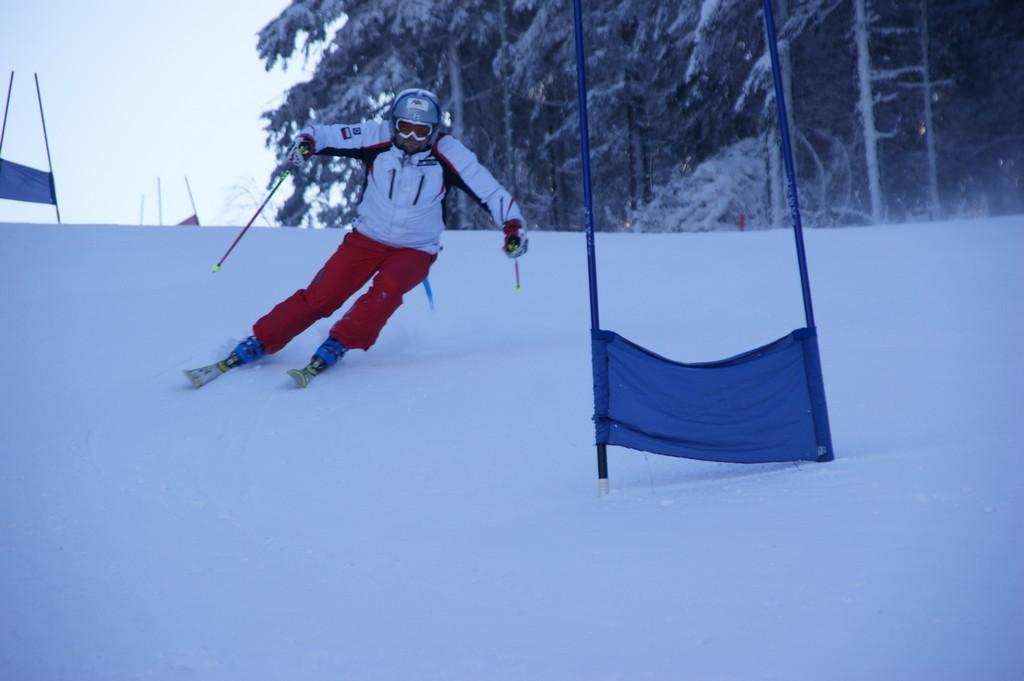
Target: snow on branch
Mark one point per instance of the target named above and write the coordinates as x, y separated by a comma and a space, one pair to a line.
279, 39
756, 82
891, 74
709, 10
710, 197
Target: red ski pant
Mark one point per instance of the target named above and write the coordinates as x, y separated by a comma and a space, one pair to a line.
358, 258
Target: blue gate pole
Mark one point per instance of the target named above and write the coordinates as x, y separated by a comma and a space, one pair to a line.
46, 140
812, 360
787, 154
588, 199
588, 204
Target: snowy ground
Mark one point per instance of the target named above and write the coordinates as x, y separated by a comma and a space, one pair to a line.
428, 509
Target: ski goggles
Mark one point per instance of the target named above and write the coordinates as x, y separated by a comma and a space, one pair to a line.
407, 129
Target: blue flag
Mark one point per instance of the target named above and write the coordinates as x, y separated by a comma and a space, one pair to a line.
764, 405
21, 183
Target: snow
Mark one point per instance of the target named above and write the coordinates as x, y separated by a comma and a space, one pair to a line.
428, 509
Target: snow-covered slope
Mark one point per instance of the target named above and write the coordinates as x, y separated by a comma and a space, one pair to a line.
428, 510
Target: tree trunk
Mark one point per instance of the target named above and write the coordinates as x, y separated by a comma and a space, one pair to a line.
556, 192
786, 68
867, 108
632, 162
457, 219
775, 174
646, 158
776, 168
934, 204
506, 99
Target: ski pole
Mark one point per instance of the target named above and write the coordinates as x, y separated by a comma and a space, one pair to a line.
216, 268
518, 287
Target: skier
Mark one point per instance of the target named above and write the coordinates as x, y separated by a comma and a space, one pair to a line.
410, 165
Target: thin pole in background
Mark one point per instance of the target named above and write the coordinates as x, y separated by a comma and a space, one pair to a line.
46, 140
787, 155
159, 203
142, 209
588, 199
3, 131
194, 211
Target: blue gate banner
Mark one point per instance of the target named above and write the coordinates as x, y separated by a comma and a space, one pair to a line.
21, 183
764, 405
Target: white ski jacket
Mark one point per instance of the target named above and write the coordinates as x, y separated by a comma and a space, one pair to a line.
403, 197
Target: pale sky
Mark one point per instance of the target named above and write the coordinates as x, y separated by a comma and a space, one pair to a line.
133, 91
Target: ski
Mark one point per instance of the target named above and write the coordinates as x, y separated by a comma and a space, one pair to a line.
203, 375
302, 377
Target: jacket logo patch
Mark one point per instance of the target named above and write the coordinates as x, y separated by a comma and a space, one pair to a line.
348, 133
427, 162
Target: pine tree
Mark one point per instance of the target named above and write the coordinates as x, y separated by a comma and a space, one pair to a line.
681, 104
977, 47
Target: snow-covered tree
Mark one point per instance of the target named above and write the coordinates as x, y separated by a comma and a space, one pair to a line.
977, 47
731, 97
897, 87
711, 196
866, 106
677, 91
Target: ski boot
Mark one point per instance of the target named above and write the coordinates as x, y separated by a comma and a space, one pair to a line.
247, 351
326, 356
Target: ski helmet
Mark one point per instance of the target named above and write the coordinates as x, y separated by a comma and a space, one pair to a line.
416, 113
